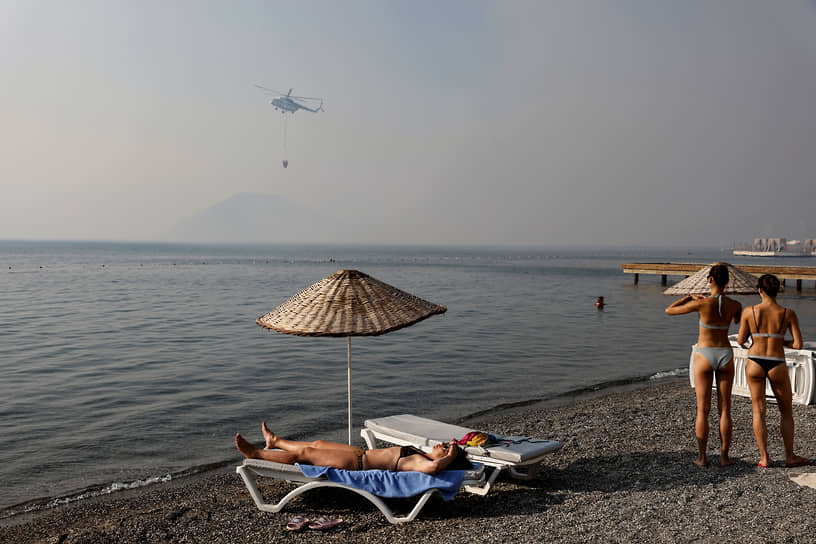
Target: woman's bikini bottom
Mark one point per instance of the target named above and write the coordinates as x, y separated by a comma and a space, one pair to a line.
716, 357
767, 363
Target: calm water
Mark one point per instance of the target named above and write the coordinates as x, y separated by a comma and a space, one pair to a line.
126, 363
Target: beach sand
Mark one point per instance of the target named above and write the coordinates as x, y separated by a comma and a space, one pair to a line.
625, 474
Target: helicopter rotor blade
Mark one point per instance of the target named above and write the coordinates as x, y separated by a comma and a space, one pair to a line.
266, 89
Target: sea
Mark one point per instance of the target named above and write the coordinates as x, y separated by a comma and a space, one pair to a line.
131, 364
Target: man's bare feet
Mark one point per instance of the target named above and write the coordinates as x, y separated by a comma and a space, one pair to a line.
249, 451
797, 461
725, 460
269, 436
701, 462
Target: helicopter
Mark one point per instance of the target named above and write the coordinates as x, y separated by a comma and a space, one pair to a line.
288, 103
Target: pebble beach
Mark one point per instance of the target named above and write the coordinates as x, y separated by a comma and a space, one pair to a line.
625, 474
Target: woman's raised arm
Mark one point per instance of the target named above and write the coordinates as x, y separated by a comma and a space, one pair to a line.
685, 305
745, 329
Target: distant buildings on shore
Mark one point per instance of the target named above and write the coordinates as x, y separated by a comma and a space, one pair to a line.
779, 247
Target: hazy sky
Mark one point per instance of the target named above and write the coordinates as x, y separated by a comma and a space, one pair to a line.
508, 122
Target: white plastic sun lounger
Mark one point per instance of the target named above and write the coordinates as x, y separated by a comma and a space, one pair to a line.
801, 369
520, 456
279, 471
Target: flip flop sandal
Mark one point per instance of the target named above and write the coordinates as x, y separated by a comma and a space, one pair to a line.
297, 523
323, 523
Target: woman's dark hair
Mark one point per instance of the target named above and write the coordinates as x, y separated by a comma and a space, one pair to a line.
461, 462
719, 273
769, 284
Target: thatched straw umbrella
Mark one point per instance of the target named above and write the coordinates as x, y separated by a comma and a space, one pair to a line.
348, 303
740, 282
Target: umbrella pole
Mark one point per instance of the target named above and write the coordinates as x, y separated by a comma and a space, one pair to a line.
349, 390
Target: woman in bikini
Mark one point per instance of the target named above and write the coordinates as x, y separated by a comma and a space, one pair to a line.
713, 357
331, 454
767, 323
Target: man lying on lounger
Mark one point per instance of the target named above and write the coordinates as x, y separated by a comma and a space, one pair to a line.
331, 454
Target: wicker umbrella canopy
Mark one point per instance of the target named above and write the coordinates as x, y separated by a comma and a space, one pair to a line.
348, 303
740, 282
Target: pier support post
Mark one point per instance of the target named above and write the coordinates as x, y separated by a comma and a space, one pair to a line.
798, 285
637, 276
663, 279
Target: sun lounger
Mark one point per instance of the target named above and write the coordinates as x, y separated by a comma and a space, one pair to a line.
279, 471
801, 365
520, 456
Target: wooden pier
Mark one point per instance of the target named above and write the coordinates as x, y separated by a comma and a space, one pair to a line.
794, 273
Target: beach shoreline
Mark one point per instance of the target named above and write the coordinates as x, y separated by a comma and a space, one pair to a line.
625, 473
34, 505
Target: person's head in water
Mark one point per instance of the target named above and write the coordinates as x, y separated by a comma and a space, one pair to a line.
719, 273
599, 302
768, 284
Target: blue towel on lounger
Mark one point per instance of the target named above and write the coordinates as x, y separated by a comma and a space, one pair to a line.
385, 483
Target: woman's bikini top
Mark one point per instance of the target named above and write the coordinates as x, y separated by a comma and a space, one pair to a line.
769, 334
719, 312
407, 451
714, 327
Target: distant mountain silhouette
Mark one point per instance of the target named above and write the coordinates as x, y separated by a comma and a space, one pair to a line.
246, 217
